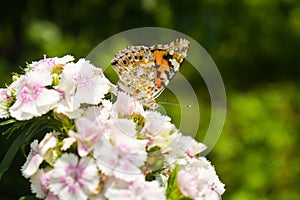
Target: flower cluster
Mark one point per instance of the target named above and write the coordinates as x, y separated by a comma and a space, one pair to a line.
104, 148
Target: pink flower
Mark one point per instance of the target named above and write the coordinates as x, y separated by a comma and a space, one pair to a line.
40, 185
32, 97
122, 160
73, 178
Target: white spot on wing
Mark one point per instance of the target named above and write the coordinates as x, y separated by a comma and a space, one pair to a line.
175, 64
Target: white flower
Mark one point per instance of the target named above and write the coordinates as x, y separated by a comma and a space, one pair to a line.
122, 160
122, 129
100, 114
200, 181
33, 99
37, 154
88, 135
47, 64
181, 149
92, 112
158, 129
126, 105
40, 183
175, 152
81, 82
138, 189
73, 178
155, 122
194, 147
5, 99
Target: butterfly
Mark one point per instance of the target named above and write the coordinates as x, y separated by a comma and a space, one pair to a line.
144, 72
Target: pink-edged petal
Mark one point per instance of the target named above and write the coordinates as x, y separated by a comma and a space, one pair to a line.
73, 178
33, 161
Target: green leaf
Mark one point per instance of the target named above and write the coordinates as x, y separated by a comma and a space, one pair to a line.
153, 149
6, 122
10, 154
28, 198
173, 191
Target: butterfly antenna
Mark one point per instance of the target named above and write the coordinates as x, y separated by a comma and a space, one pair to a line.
175, 104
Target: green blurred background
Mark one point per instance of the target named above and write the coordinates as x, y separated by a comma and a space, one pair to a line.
255, 44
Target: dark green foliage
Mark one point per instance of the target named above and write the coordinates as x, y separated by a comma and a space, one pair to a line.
20, 133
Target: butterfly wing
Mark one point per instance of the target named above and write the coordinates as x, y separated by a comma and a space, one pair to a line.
168, 59
135, 65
